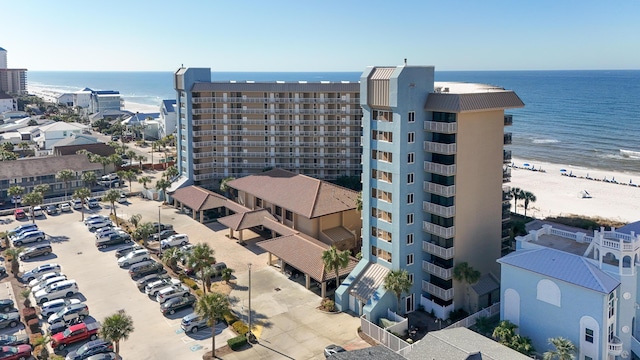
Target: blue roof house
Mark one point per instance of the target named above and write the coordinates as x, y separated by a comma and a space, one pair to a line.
581, 287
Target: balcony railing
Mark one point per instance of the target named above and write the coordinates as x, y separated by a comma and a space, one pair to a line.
438, 251
351, 111
436, 270
444, 211
438, 148
508, 120
615, 346
438, 230
437, 291
333, 122
440, 127
249, 99
442, 190
435, 168
507, 138
506, 156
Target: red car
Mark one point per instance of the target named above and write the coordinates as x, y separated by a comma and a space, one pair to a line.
19, 214
20, 352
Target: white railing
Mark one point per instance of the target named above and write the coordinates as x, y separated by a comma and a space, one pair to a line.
382, 336
471, 319
437, 291
615, 346
438, 189
441, 169
445, 211
437, 270
438, 250
438, 230
563, 233
440, 127
438, 148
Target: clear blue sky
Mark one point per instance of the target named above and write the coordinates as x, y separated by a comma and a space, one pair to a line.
298, 35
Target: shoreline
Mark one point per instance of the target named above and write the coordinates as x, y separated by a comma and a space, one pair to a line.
559, 195
51, 95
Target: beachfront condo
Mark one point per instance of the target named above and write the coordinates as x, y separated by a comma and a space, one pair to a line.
234, 129
12, 81
433, 174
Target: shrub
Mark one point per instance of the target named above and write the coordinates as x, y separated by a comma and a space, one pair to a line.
229, 317
34, 337
29, 313
328, 305
189, 282
240, 327
237, 342
199, 293
34, 325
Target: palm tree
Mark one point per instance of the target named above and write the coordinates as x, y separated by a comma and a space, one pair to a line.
42, 189
528, 197
15, 190
40, 346
115, 159
82, 194
141, 158
483, 325
65, 175
504, 332
171, 256
398, 282
135, 219
163, 185
522, 344
565, 349
516, 193
226, 274
24, 145
464, 272
171, 172
200, 258
104, 161
144, 180
32, 199
117, 327
335, 260
359, 202
90, 178
143, 231
112, 196
224, 185
212, 306
131, 155
7, 155
14, 254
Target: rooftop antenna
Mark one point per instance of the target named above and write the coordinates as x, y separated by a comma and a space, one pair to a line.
405, 61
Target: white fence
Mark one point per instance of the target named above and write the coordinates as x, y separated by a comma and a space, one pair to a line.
471, 319
383, 336
402, 325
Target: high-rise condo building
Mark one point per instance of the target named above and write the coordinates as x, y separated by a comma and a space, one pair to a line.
234, 129
12, 81
433, 198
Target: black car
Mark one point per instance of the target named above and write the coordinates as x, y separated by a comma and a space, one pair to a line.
177, 303
127, 249
136, 271
43, 249
162, 226
113, 239
143, 281
90, 348
52, 209
333, 349
6, 305
163, 234
14, 340
61, 326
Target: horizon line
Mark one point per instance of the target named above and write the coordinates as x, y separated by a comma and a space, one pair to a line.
328, 71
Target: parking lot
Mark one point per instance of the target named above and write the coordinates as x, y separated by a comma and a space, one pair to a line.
291, 325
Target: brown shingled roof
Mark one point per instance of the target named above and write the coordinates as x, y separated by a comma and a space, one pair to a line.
199, 199
305, 254
98, 149
300, 194
48, 165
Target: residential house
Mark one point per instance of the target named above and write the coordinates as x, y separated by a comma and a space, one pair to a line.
50, 134
168, 119
105, 100
7, 103
82, 98
65, 99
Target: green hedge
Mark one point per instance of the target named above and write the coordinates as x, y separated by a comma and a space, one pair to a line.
190, 283
237, 342
240, 327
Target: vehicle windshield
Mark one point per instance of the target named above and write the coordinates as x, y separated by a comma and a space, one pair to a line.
83, 349
3, 316
67, 332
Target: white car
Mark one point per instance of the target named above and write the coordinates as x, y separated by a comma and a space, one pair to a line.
76, 204
171, 292
175, 240
28, 276
51, 307
152, 289
44, 277
107, 231
92, 218
47, 283
62, 289
64, 207
133, 257
99, 224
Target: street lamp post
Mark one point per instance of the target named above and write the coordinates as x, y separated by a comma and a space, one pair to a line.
159, 241
250, 334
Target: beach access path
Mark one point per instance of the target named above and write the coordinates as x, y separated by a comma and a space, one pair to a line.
559, 194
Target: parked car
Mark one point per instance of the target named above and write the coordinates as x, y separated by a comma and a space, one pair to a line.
6, 305
43, 277
89, 349
16, 199
193, 323
46, 283
175, 240
51, 307
91, 218
14, 340
144, 280
152, 288
60, 327
162, 226
106, 231
22, 228
11, 319
113, 239
20, 352
333, 349
127, 249
74, 334
43, 249
69, 313
145, 268
58, 290
103, 356
3, 271
19, 214
76, 204
98, 224
171, 292
28, 237
122, 199
133, 257
177, 303
64, 207
35, 272
93, 203
37, 211
164, 234
52, 210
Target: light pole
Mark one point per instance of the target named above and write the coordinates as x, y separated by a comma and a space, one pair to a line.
250, 334
159, 241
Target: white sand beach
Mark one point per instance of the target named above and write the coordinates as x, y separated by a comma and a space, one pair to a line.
562, 195
142, 108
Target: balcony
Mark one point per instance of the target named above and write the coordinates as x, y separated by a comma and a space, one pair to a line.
438, 148
438, 230
615, 346
440, 169
442, 190
444, 211
440, 127
508, 138
508, 120
437, 291
436, 270
438, 251
506, 156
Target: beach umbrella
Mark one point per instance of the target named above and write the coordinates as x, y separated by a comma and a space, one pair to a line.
526, 164
563, 170
630, 182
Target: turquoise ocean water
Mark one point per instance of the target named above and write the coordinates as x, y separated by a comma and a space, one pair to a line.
581, 118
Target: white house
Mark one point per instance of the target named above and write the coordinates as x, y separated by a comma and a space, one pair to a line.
7, 103
167, 121
52, 133
82, 98
65, 99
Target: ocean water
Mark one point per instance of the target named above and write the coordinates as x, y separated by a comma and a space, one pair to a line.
580, 118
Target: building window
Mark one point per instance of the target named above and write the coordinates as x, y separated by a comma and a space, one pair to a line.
409, 219
411, 137
410, 259
412, 116
588, 357
410, 239
258, 202
380, 234
288, 215
411, 278
588, 335
278, 211
410, 198
411, 157
410, 178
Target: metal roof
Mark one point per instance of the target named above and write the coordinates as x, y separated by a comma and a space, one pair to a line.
458, 103
382, 73
49, 165
560, 265
370, 279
